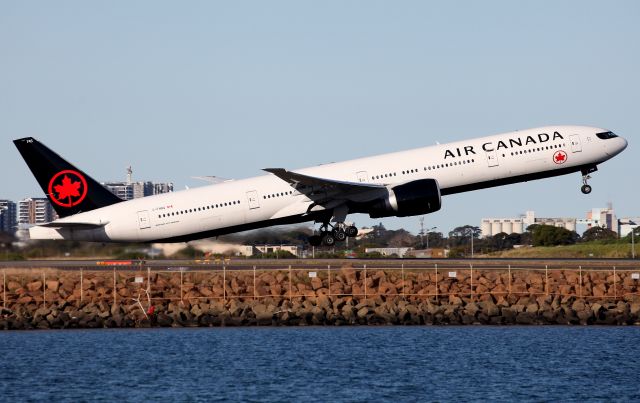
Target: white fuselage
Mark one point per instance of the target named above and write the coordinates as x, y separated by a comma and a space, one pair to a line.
267, 200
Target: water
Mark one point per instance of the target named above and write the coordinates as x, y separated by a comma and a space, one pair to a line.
322, 364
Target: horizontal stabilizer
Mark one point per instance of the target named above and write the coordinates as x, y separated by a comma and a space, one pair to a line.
73, 225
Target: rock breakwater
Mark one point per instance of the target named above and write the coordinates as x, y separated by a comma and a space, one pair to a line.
45, 299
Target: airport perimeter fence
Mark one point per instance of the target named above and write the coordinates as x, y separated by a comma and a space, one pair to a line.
153, 285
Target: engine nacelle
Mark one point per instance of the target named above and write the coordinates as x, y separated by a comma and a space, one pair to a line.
413, 198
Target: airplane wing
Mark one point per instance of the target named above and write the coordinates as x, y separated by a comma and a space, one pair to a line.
325, 194
212, 179
297, 180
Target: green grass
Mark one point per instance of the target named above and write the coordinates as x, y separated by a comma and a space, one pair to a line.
583, 250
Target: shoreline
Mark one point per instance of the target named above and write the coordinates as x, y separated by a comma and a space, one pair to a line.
146, 297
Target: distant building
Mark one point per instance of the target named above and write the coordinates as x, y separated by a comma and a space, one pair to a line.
161, 187
493, 226
601, 217
293, 249
133, 190
400, 252
8, 215
433, 253
35, 211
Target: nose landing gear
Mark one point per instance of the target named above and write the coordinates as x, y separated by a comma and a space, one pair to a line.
586, 188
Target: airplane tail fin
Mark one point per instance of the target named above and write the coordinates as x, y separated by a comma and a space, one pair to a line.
69, 189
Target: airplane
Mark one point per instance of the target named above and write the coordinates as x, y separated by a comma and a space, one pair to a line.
400, 184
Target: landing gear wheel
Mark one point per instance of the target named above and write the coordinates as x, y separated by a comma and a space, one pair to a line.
351, 231
586, 189
315, 240
339, 234
328, 239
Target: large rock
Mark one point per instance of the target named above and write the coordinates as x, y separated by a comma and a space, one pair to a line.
533, 308
525, 318
471, 309
585, 316
455, 300
316, 283
24, 299
34, 286
53, 285
490, 308
363, 312
13, 286
263, 314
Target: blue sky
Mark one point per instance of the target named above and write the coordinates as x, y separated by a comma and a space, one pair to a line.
182, 89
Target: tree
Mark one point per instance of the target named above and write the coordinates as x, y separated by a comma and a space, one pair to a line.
465, 230
598, 234
401, 238
462, 235
436, 239
500, 241
549, 235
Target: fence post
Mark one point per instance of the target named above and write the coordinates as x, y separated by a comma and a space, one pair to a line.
81, 285
329, 278
546, 279
290, 285
4, 288
44, 288
114, 287
471, 283
181, 289
403, 296
254, 283
149, 281
509, 280
436, 268
615, 289
364, 281
580, 283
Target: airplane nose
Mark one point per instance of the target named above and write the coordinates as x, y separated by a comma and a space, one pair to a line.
624, 144
615, 148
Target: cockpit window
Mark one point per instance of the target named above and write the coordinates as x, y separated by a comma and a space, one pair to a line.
606, 135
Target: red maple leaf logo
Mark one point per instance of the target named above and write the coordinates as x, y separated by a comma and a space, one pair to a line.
67, 189
71, 189
560, 157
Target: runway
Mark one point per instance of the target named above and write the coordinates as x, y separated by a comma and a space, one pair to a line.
317, 264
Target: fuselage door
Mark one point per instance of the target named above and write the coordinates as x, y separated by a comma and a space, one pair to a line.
492, 158
576, 146
143, 219
252, 198
362, 176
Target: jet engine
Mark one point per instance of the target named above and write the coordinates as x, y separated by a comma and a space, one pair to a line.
412, 198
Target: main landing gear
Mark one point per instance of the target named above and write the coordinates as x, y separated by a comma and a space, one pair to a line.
330, 234
586, 188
